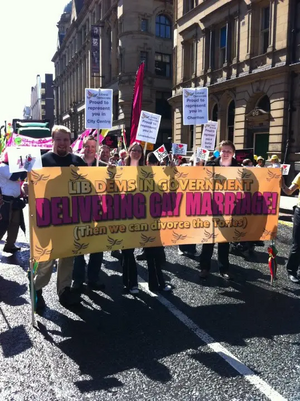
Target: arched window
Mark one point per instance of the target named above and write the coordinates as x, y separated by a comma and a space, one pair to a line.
163, 26
215, 113
264, 103
230, 120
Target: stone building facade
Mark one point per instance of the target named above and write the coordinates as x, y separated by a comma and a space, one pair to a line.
131, 31
248, 55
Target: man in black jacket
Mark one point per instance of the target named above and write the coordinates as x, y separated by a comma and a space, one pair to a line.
226, 159
59, 157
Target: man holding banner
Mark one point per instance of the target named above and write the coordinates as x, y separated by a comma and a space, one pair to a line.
59, 157
95, 260
11, 206
226, 159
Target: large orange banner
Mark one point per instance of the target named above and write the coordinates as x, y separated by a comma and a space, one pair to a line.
78, 210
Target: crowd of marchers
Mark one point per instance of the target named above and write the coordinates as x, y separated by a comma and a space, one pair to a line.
72, 272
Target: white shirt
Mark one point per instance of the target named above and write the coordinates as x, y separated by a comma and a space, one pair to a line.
8, 188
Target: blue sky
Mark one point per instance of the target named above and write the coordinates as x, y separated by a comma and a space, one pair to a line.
28, 40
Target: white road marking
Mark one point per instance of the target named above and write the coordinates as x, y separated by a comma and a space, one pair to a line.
242, 369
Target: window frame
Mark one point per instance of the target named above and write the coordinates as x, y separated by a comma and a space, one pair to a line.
164, 64
163, 25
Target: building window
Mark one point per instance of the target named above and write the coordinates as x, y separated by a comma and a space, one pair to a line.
116, 107
230, 120
144, 59
265, 29
162, 105
215, 113
189, 59
163, 27
188, 5
144, 25
163, 65
223, 45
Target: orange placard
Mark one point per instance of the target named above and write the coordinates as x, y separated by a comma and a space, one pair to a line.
77, 210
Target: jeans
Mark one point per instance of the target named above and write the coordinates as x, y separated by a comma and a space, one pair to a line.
294, 257
93, 268
223, 256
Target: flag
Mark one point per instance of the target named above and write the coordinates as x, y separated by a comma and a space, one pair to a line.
137, 102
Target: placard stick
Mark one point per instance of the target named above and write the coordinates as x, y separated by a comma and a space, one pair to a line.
97, 148
145, 148
194, 143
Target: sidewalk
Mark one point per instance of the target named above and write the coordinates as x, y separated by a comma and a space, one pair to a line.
287, 203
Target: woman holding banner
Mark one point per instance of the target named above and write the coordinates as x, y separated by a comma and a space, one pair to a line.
135, 158
226, 159
293, 262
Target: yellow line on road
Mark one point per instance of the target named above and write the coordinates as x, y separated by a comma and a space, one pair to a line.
286, 223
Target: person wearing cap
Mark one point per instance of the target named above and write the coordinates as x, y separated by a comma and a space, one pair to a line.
293, 261
260, 162
275, 161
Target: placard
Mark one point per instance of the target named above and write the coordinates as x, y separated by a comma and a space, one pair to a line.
148, 127
23, 159
242, 154
202, 154
285, 169
161, 153
98, 108
209, 135
195, 106
179, 149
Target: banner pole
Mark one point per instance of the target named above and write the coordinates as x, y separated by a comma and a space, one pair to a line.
194, 143
97, 148
31, 261
32, 292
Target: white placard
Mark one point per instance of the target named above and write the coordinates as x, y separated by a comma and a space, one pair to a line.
161, 153
148, 127
202, 154
195, 106
98, 108
209, 135
23, 159
179, 149
285, 169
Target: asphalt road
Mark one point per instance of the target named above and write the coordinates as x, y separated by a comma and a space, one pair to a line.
211, 340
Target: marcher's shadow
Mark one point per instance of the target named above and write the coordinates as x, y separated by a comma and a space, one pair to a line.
7, 288
105, 343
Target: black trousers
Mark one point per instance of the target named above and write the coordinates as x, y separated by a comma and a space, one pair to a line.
189, 248
155, 259
293, 262
223, 256
129, 269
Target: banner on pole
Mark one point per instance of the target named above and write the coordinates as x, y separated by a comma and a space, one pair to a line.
209, 135
94, 211
95, 50
98, 108
179, 149
195, 106
22, 140
23, 159
148, 127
